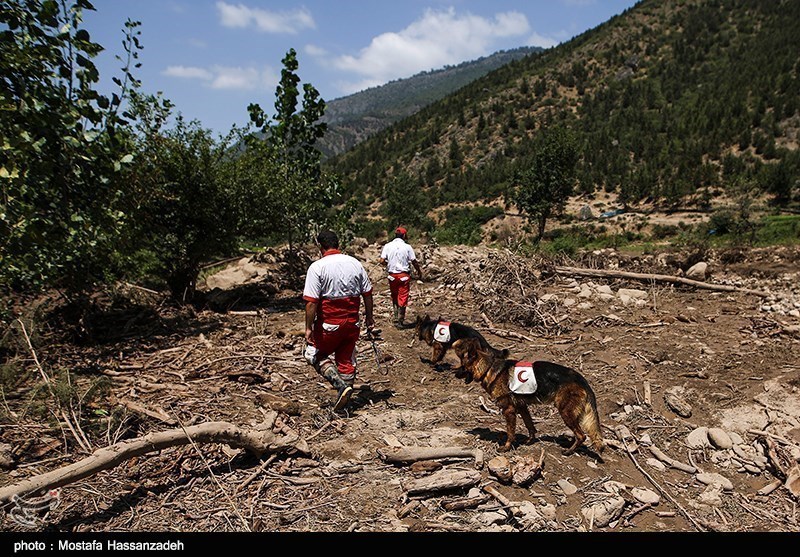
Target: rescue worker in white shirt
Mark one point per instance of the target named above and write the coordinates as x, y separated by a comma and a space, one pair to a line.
398, 257
334, 287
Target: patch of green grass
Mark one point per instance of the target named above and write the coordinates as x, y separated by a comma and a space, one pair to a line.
462, 225
778, 230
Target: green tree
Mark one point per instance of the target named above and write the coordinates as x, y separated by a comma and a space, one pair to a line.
545, 184
64, 147
186, 209
303, 194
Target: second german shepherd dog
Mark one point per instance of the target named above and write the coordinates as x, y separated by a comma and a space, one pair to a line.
563, 386
426, 329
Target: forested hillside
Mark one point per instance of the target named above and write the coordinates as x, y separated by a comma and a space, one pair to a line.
353, 118
675, 102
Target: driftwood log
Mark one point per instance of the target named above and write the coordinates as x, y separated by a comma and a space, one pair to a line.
404, 455
645, 277
259, 441
443, 481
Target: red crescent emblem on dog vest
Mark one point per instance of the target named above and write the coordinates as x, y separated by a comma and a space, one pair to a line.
442, 331
523, 378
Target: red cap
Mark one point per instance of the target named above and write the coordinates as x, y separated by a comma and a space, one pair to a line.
400, 230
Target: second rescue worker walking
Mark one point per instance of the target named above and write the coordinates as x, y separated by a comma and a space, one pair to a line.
398, 257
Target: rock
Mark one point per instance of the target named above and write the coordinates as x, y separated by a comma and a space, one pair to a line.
614, 487
491, 517
625, 299
711, 496
657, 464
6, 457
604, 289
500, 467
530, 517
568, 302
712, 478
697, 271
567, 487
736, 439
606, 297
585, 305
698, 438
719, 438
644, 495
603, 513
675, 401
634, 293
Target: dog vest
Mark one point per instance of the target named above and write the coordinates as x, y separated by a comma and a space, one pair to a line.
522, 380
442, 331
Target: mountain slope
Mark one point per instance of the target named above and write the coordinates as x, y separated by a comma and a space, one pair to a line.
353, 118
670, 101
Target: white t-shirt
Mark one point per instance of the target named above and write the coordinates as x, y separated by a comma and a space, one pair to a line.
399, 256
337, 282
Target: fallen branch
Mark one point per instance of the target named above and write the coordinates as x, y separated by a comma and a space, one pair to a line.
157, 414
403, 455
259, 441
465, 503
657, 278
505, 501
443, 481
671, 461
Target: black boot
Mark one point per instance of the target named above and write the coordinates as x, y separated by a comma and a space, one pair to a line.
330, 373
401, 312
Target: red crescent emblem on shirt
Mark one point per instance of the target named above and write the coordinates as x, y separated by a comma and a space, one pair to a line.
519, 376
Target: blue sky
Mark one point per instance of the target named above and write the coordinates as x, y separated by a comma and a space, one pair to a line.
212, 58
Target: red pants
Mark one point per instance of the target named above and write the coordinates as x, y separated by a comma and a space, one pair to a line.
400, 287
341, 342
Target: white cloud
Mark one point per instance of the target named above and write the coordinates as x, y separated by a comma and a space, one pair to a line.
227, 77
187, 72
437, 39
314, 50
540, 40
266, 21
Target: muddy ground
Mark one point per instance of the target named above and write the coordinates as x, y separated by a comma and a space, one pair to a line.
676, 361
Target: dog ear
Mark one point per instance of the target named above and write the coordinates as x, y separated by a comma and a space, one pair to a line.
504, 353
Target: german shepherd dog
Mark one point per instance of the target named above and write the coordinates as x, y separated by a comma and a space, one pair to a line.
563, 386
426, 331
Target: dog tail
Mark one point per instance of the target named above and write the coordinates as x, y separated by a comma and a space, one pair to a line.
590, 423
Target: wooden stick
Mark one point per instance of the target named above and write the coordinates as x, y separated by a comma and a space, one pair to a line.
258, 441
671, 461
657, 278
465, 503
778, 438
491, 490
770, 487
403, 455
